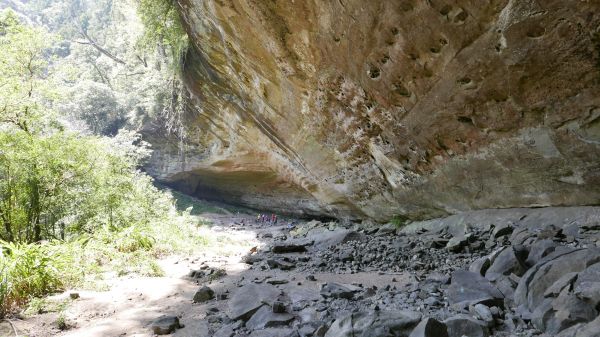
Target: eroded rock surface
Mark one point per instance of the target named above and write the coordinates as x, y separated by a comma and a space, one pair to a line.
372, 109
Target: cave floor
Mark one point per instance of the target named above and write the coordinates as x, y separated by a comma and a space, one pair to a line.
132, 303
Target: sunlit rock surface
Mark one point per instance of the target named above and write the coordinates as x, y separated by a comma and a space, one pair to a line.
375, 109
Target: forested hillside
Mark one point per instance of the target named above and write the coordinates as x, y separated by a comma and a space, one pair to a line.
78, 79
114, 73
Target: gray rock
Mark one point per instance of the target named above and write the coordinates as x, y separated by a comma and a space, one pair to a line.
480, 266
463, 325
266, 318
471, 288
204, 294
505, 263
323, 238
288, 248
227, 330
568, 311
430, 327
312, 329
273, 332
252, 258
587, 285
375, 324
275, 281
457, 243
591, 329
502, 230
249, 298
532, 286
564, 281
438, 278
551, 231
520, 236
483, 313
281, 264
431, 301
165, 325
336, 290
542, 313
278, 307
299, 294
538, 250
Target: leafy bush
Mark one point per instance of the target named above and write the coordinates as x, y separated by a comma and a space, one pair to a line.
399, 221
28, 270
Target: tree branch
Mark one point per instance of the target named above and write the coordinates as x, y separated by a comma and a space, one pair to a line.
100, 49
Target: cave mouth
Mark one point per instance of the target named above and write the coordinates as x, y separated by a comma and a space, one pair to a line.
254, 191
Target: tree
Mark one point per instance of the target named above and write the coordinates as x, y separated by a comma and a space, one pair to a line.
25, 78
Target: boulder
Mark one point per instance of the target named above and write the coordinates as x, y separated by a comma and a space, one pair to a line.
564, 281
336, 290
249, 298
430, 327
457, 243
587, 285
266, 318
283, 264
538, 250
312, 329
288, 248
204, 294
480, 266
375, 324
227, 330
483, 313
463, 325
502, 230
555, 315
591, 329
251, 258
323, 238
534, 283
165, 325
274, 332
468, 288
509, 260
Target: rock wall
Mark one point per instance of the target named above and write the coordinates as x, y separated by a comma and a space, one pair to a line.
379, 109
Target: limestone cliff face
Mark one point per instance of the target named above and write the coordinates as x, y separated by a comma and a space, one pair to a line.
380, 108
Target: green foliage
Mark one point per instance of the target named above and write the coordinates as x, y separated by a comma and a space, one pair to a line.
26, 271
43, 305
24, 74
399, 221
72, 206
115, 73
163, 27
97, 105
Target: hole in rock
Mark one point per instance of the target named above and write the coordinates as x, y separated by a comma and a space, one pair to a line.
463, 80
461, 16
445, 10
465, 119
536, 31
374, 73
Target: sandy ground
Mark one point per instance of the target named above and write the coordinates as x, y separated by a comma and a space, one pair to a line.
131, 304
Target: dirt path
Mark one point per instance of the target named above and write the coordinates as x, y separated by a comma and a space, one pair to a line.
132, 303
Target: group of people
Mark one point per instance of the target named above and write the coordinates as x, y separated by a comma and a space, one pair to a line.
264, 218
